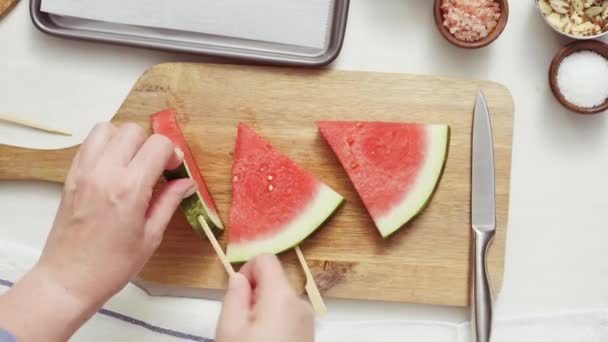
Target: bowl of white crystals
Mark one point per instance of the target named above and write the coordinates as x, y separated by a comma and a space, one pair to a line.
577, 19
579, 76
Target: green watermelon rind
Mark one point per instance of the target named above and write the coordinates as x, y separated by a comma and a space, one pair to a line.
192, 207
424, 188
324, 204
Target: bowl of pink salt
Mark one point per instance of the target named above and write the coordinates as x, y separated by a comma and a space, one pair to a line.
471, 24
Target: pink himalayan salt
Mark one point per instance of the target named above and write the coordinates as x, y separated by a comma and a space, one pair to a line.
470, 20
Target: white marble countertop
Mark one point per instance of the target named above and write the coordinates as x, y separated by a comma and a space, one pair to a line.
558, 221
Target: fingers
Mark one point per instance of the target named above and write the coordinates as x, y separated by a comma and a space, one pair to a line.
125, 143
152, 159
236, 307
145, 160
70, 179
267, 277
94, 145
175, 160
163, 206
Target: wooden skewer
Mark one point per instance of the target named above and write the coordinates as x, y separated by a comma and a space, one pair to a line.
31, 124
216, 245
311, 287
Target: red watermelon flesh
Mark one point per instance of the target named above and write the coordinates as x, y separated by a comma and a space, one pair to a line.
165, 123
275, 203
393, 166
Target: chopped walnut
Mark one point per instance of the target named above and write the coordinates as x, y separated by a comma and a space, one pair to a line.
576, 17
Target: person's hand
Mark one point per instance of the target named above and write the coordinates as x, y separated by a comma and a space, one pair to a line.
260, 306
108, 223
107, 226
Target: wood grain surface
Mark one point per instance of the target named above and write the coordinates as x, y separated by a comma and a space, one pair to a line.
426, 262
6, 6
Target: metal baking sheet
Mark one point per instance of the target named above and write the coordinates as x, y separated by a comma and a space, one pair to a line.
198, 43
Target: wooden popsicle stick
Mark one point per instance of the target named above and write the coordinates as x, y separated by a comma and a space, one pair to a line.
33, 125
311, 287
216, 246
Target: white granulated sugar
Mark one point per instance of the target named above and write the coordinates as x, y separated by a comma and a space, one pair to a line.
582, 78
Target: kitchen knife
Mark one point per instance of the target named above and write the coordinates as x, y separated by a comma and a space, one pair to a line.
483, 218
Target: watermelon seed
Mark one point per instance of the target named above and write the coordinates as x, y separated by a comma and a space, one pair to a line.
354, 166
235, 178
359, 124
350, 140
270, 177
270, 187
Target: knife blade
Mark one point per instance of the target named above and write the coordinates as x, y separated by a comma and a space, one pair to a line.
483, 217
483, 202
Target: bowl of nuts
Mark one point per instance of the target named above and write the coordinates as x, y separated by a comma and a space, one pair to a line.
577, 19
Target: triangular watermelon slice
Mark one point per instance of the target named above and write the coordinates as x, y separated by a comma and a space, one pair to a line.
275, 203
201, 203
394, 167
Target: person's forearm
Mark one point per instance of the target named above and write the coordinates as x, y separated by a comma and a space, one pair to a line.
38, 308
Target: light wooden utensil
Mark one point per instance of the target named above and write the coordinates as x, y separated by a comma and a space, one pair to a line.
31, 124
216, 246
311, 287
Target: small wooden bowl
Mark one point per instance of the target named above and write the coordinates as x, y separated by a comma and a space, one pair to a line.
502, 23
583, 45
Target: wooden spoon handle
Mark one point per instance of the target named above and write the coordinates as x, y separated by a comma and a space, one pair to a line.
18, 163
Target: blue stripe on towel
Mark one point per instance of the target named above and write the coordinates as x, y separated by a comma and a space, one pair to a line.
138, 323
5, 283
153, 328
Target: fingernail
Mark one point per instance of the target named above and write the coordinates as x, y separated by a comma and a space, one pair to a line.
233, 281
180, 154
191, 191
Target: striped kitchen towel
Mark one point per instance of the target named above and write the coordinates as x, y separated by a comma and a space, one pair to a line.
132, 315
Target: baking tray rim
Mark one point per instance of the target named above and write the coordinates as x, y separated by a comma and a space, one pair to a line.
43, 23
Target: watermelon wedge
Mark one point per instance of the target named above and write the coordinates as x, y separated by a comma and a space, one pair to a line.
275, 203
394, 167
201, 203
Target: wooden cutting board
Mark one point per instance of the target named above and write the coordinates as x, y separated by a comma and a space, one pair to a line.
426, 262
6, 6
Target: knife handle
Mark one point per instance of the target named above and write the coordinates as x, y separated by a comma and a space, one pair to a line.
481, 308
